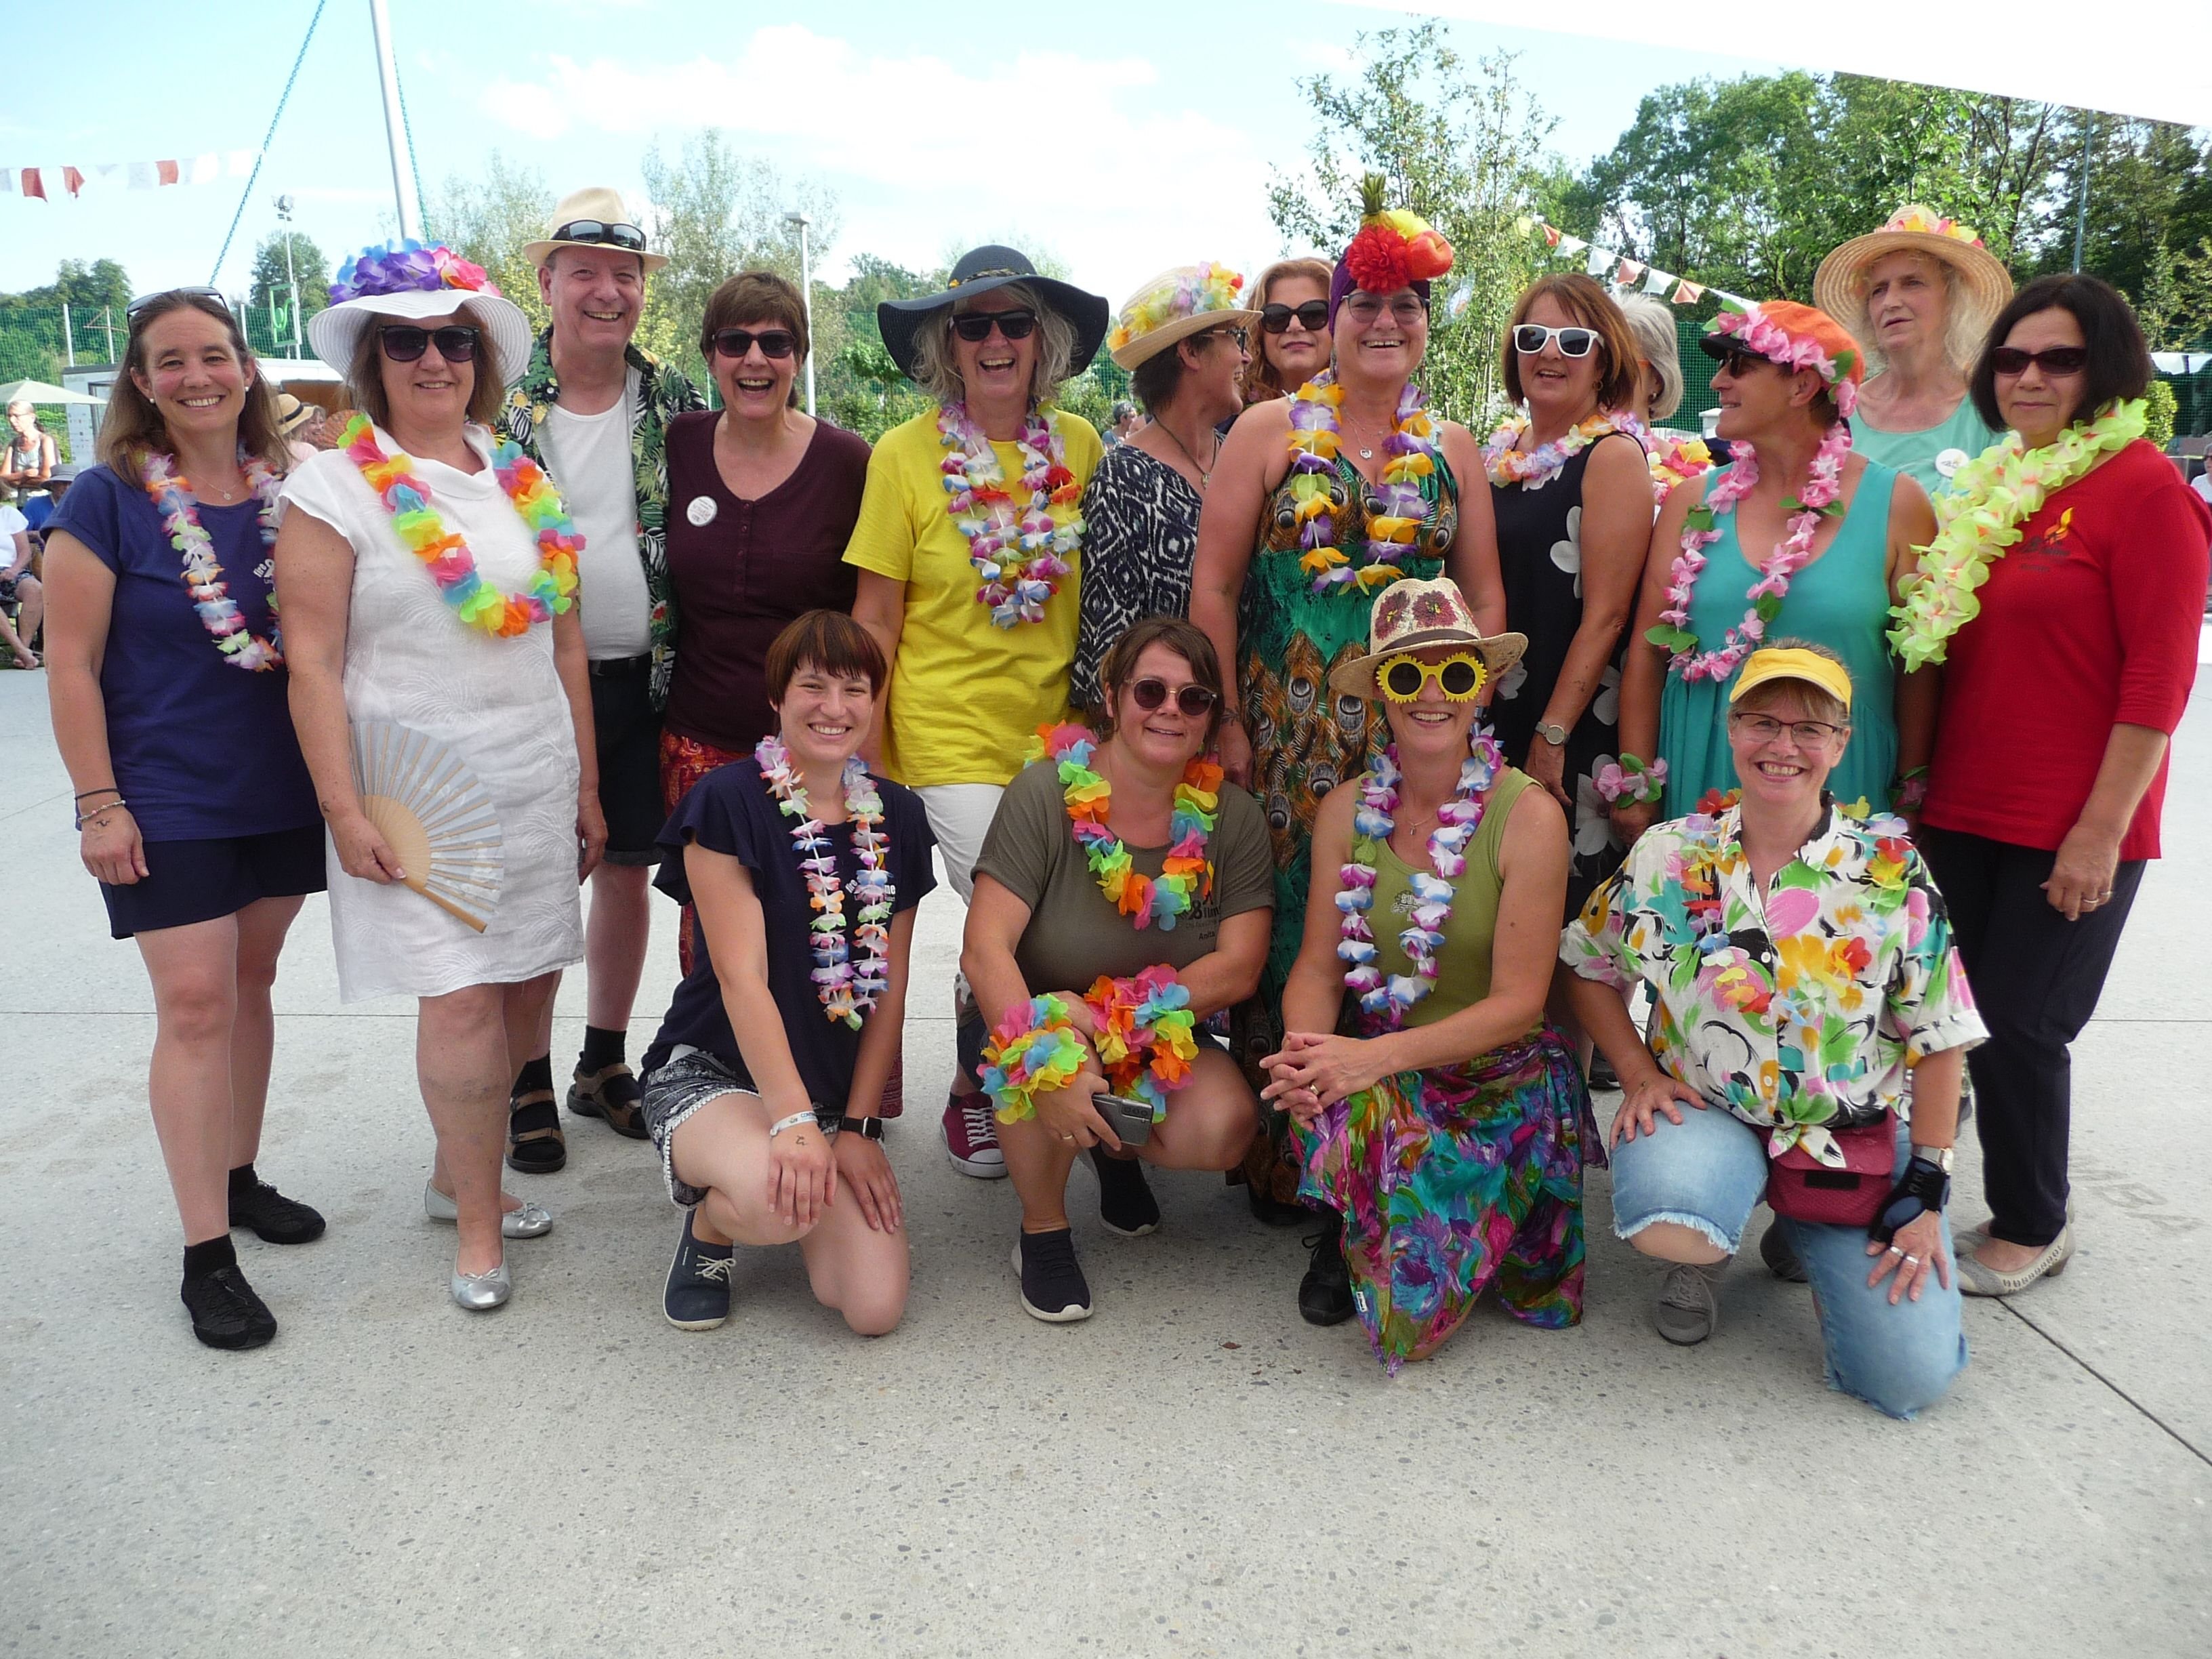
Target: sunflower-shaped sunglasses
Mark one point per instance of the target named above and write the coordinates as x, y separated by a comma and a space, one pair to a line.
1461, 676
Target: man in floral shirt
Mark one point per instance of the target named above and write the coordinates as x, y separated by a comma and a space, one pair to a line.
593, 409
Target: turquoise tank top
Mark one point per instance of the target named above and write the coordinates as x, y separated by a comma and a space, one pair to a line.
1840, 600
1929, 456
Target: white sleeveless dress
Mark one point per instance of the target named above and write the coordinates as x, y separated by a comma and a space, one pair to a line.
497, 702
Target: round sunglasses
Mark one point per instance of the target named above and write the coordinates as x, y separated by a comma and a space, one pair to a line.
1529, 338
1312, 316
975, 326
1459, 677
402, 343
1190, 701
774, 342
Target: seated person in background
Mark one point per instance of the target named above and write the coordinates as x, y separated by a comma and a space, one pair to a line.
19, 591
1123, 897
761, 1089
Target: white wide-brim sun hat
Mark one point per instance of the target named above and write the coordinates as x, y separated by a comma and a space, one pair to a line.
336, 333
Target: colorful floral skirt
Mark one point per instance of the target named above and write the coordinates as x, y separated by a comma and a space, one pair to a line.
1453, 1179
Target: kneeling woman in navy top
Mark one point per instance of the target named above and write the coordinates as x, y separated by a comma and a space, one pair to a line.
761, 1088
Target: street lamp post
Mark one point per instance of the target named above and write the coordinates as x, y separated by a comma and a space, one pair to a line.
806, 296
291, 281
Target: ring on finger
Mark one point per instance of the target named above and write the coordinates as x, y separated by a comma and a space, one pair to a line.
1899, 1250
1912, 1262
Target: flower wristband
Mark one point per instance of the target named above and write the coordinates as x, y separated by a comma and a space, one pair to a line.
1629, 778
1145, 1034
1035, 1047
1910, 792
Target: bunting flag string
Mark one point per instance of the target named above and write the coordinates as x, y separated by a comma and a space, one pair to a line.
1608, 265
48, 184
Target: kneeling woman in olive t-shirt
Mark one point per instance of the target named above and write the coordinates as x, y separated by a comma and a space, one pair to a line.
1123, 896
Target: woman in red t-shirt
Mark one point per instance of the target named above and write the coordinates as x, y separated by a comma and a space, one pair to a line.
2057, 697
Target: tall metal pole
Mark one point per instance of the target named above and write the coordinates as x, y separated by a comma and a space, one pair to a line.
2081, 211
805, 297
411, 220
68, 340
291, 277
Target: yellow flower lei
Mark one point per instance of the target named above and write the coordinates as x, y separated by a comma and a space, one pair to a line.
1991, 497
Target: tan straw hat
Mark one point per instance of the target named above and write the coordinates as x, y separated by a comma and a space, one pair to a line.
1985, 285
594, 216
1174, 306
1411, 615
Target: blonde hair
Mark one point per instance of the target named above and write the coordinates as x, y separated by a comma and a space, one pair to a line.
933, 362
1653, 325
1962, 342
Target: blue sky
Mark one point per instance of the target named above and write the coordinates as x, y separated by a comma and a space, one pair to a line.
1122, 151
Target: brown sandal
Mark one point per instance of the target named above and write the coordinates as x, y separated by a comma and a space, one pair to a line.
535, 1145
610, 1094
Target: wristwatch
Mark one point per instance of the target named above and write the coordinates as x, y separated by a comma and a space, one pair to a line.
1941, 1157
1553, 733
868, 1128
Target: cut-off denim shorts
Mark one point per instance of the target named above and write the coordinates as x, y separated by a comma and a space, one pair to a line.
688, 1081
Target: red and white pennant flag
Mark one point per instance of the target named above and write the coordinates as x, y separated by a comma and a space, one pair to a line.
46, 184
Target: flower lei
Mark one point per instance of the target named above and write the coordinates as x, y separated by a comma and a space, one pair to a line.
1185, 876
846, 992
452, 566
1411, 454
1508, 464
1020, 559
172, 495
1991, 497
1823, 484
1388, 1000
1631, 780
1034, 1049
1145, 1034
1676, 461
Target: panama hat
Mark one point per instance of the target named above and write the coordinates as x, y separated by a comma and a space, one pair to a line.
1412, 615
979, 272
1174, 306
406, 279
594, 216
291, 414
1985, 285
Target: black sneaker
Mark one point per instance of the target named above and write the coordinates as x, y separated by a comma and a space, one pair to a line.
697, 1297
1126, 1204
226, 1313
1325, 1293
1774, 1250
277, 1219
1053, 1286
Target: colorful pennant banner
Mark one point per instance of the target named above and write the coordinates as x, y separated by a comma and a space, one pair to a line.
49, 184
1606, 263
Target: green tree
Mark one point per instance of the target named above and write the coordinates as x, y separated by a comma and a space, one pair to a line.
488, 219
309, 267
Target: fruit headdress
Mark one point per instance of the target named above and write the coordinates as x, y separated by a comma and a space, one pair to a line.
1394, 248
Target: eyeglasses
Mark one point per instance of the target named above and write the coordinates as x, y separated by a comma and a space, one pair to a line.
1312, 316
130, 311
975, 326
774, 342
1764, 728
2059, 360
1529, 338
598, 231
1406, 307
402, 343
1191, 701
1459, 677
1231, 333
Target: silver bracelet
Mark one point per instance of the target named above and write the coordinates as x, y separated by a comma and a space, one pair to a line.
791, 1122
92, 817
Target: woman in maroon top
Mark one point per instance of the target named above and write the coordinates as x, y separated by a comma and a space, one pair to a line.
2058, 702
762, 499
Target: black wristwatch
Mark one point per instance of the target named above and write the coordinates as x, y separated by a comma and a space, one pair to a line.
868, 1128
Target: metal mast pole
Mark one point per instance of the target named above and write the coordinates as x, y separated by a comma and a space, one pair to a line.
2081, 211
411, 220
805, 297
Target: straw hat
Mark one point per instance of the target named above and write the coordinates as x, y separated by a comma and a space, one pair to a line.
1985, 285
594, 216
406, 279
979, 272
1412, 615
1174, 306
291, 414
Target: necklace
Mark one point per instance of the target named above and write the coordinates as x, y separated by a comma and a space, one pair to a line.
1185, 876
846, 992
1020, 558
1991, 497
1675, 461
1823, 484
452, 566
1386, 1000
1396, 506
1508, 464
172, 495
1205, 473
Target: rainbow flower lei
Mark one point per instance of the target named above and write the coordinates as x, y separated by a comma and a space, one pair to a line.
1145, 1034
172, 495
452, 566
1991, 497
1020, 558
1185, 876
846, 993
1035, 1050
1508, 464
1315, 441
1676, 461
1388, 1000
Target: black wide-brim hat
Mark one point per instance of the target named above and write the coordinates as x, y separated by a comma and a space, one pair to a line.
979, 272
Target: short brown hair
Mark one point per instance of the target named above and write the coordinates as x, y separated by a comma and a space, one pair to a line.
1820, 703
1582, 299
754, 296
829, 640
1260, 382
365, 374
133, 426
1188, 641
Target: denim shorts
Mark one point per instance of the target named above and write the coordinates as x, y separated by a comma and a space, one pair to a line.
1709, 1173
687, 1080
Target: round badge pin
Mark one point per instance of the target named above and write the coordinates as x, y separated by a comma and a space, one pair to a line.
701, 510
1949, 462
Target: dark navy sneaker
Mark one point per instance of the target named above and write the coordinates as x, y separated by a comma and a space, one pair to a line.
276, 1218
1325, 1293
697, 1297
1053, 1286
1780, 1258
226, 1313
1126, 1204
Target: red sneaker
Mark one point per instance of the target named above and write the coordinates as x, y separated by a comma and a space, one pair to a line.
971, 1140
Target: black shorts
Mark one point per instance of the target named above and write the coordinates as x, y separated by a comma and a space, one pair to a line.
628, 732
190, 881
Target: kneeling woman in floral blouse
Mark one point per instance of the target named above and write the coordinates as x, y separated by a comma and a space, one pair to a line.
1810, 1002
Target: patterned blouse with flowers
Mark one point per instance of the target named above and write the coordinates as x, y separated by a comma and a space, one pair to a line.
1798, 1009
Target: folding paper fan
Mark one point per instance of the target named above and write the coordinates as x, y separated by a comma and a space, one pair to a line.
435, 816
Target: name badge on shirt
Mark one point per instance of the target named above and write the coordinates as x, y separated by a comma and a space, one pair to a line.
703, 509
1949, 462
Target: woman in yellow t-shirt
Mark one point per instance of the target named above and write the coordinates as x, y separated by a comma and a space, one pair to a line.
969, 547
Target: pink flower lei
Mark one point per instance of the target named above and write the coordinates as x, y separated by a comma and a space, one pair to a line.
1386, 1000
1019, 558
847, 991
172, 495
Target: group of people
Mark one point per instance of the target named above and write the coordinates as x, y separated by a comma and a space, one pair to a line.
1322, 815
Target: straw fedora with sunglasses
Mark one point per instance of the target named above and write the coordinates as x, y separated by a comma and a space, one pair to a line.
594, 216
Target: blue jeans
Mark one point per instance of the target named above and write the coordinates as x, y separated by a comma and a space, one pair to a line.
1708, 1172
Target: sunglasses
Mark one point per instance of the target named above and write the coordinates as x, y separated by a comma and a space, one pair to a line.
1459, 676
1737, 364
2059, 360
600, 233
975, 326
130, 311
402, 343
1312, 316
1529, 338
774, 342
1211, 335
1190, 701
1404, 307
1764, 728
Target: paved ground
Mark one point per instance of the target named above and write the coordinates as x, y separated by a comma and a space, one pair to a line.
1193, 1471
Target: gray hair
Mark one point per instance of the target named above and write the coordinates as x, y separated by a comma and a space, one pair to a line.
933, 370
1653, 325
1962, 343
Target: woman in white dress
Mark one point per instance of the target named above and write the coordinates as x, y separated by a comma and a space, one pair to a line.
427, 581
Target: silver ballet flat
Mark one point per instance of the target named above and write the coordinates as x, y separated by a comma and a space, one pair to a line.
531, 1221
481, 1292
